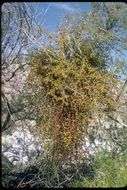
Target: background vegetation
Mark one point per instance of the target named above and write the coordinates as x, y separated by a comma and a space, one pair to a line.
74, 90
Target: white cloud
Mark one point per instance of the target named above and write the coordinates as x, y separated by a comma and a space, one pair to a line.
65, 7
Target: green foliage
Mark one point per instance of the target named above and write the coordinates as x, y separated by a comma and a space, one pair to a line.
110, 172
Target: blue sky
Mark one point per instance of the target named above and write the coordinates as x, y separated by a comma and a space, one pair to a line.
52, 12
49, 14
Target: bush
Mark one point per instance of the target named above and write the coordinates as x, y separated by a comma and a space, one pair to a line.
110, 172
